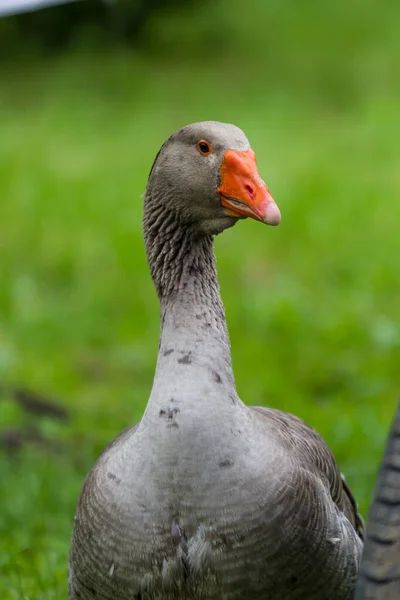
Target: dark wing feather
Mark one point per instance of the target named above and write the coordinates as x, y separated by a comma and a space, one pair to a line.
380, 565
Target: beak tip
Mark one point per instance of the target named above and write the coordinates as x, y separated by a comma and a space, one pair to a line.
272, 214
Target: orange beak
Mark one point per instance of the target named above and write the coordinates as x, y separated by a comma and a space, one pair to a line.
242, 191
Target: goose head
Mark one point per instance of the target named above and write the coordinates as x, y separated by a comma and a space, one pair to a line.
206, 177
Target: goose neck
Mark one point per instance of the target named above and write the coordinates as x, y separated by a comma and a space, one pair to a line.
194, 342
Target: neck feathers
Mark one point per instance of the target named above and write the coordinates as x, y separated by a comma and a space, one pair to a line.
182, 265
181, 260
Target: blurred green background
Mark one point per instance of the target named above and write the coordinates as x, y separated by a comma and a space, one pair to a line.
312, 306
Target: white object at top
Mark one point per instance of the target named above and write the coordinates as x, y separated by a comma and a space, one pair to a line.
10, 7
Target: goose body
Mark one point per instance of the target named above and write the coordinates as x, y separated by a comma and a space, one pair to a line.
206, 498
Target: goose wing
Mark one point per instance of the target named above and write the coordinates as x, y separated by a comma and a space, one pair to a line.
311, 451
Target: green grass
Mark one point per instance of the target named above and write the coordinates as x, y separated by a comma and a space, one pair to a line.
312, 306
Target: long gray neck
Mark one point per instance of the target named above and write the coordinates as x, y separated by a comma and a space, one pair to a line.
194, 343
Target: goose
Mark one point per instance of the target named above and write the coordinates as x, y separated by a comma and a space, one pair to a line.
207, 498
379, 577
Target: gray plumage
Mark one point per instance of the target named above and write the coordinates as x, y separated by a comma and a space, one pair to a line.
380, 566
207, 498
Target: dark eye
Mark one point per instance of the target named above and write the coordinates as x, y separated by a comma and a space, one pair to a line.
204, 147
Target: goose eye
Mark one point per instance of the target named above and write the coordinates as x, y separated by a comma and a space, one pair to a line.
204, 147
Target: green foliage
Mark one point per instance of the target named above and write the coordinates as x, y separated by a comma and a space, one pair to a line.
312, 305
90, 23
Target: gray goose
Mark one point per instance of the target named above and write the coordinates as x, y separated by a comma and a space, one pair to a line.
206, 498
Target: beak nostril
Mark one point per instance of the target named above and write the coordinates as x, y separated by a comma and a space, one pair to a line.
250, 190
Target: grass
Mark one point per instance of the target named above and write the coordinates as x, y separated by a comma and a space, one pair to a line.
312, 306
